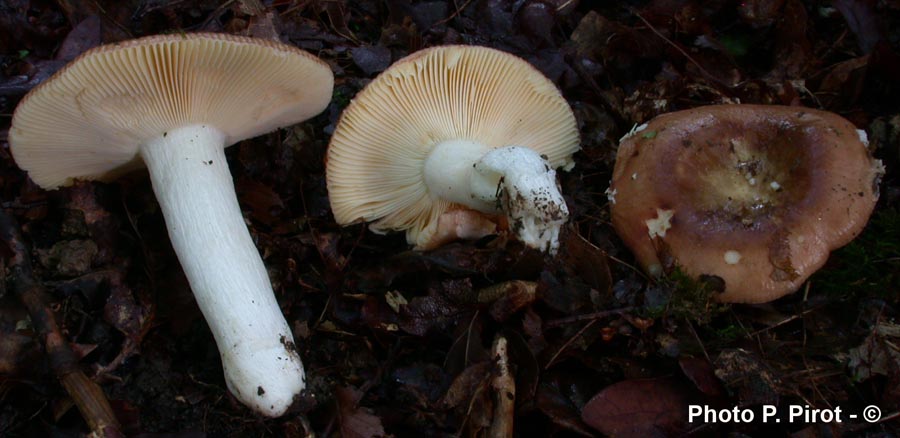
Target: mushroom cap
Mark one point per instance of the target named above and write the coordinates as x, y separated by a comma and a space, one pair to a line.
375, 162
756, 195
89, 120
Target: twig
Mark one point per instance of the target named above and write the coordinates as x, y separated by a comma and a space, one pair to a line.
690, 58
690, 326
563, 6
605, 101
569, 342
216, 13
85, 393
630, 266
454, 14
68, 11
504, 391
585, 317
106, 15
786, 320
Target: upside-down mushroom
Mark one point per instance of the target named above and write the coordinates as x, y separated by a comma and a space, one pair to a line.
755, 195
462, 130
173, 103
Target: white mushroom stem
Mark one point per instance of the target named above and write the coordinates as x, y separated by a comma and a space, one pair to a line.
196, 194
514, 180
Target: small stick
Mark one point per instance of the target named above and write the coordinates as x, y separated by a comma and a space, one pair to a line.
504, 386
85, 393
703, 71
569, 342
585, 317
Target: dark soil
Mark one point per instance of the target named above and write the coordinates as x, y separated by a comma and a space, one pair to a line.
397, 342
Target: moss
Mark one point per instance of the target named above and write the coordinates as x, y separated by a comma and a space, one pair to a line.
868, 266
693, 298
688, 298
736, 45
729, 333
340, 98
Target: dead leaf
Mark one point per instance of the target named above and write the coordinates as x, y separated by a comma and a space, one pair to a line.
760, 13
702, 375
467, 347
440, 309
495, 18
844, 81
356, 421
589, 262
378, 314
86, 35
878, 354
470, 397
337, 14
563, 293
527, 369
560, 410
83, 197
266, 26
425, 382
536, 19
125, 311
508, 297
466, 385
793, 51
36, 72
14, 348
746, 375
862, 19
589, 35
82, 350
327, 244
264, 203
69, 258
371, 59
604, 40
639, 408
428, 13
532, 324
86, 216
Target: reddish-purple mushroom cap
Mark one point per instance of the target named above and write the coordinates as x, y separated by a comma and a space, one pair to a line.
755, 195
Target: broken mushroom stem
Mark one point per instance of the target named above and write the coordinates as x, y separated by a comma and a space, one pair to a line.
513, 180
195, 191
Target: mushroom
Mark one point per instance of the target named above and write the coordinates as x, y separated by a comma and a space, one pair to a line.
465, 130
756, 195
174, 102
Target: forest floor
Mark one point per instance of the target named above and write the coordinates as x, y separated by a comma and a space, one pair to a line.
398, 342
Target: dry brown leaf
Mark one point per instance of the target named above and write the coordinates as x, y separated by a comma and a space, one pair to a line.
356, 421
638, 408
